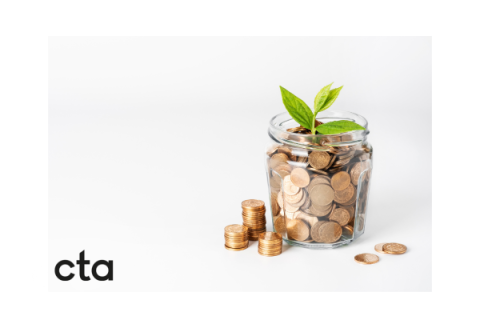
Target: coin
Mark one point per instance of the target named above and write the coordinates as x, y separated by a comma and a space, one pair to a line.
319, 159
297, 229
321, 195
279, 225
308, 218
355, 172
379, 247
295, 198
340, 181
288, 186
394, 248
341, 216
277, 159
326, 231
344, 195
235, 228
300, 177
236, 249
253, 204
366, 258
347, 231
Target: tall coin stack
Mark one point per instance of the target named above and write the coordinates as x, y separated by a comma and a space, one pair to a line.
236, 237
270, 244
254, 217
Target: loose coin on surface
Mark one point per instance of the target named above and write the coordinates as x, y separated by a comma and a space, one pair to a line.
319, 159
366, 258
340, 181
300, 177
379, 248
394, 248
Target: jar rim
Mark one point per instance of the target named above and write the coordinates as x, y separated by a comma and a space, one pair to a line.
280, 123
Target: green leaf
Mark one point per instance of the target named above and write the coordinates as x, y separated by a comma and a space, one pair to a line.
336, 127
332, 96
298, 109
321, 98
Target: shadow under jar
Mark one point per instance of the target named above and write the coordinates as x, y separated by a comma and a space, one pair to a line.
318, 183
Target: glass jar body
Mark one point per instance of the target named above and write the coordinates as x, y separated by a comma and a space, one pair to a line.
318, 184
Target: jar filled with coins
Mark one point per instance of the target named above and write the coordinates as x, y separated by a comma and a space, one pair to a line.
318, 184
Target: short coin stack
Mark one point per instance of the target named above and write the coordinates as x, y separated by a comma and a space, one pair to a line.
236, 237
270, 244
254, 217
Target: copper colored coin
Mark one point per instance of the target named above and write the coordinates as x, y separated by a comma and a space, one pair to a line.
300, 177
340, 181
296, 198
288, 186
379, 248
277, 159
356, 171
298, 229
236, 249
321, 195
366, 258
253, 204
344, 195
341, 216
280, 225
394, 248
347, 231
235, 229
326, 231
319, 159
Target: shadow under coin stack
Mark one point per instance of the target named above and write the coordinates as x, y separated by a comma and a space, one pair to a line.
254, 217
236, 237
270, 244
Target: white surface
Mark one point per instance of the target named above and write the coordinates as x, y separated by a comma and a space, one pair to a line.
154, 142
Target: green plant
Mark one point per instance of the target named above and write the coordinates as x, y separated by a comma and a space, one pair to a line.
301, 113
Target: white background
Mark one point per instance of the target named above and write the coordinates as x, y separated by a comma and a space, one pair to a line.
154, 142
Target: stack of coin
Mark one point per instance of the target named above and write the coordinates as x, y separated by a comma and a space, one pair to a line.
329, 184
391, 248
254, 217
236, 237
269, 244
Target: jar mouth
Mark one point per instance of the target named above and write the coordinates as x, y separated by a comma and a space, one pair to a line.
280, 123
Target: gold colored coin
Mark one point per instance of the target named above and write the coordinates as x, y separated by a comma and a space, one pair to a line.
366, 258
394, 248
235, 228
341, 216
300, 177
288, 186
297, 229
379, 248
340, 181
322, 195
319, 159
236, 249
253, 204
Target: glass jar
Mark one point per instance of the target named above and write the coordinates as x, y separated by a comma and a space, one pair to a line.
318, 184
